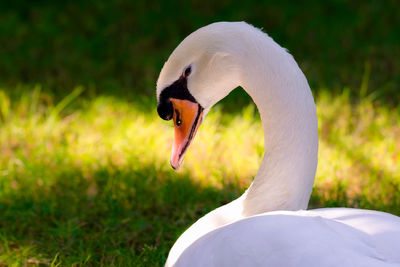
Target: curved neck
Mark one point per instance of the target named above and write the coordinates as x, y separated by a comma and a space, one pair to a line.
282, 95
278, 87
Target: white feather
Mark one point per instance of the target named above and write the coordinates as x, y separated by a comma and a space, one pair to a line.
267, 225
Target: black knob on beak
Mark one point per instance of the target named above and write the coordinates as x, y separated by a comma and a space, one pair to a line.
165, 109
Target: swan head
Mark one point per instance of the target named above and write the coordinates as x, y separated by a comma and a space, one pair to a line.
199, 72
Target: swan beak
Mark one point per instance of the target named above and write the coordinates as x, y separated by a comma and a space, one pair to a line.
187, 119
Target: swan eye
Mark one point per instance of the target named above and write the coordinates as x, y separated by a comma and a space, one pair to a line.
187, 72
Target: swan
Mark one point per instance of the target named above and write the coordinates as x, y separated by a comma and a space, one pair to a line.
268, 225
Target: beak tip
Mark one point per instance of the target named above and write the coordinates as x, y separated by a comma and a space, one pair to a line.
175, 166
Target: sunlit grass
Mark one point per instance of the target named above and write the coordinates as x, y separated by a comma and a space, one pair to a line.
359, 162
89, 181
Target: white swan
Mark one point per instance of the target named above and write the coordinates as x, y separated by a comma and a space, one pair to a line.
267, 225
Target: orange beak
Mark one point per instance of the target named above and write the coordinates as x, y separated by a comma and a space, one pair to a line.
187, 119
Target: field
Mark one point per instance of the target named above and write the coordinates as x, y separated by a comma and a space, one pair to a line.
85, 178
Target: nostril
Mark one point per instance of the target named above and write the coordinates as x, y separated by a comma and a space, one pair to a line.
165, 110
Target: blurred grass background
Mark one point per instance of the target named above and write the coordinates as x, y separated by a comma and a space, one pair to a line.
84, 167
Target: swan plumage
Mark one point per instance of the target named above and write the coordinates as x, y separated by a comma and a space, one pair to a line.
322, 237
267, 225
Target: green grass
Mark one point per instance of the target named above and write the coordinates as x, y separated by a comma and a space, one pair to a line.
88, 182
118, 47
84, 172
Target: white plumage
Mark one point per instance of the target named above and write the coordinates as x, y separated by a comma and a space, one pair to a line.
267, 225
323, 237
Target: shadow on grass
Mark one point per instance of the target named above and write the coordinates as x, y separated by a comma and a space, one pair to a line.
111, 217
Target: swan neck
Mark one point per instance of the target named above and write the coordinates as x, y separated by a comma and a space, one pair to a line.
284, 100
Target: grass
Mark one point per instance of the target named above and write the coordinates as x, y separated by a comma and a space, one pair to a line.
84, 172
87, 181
117, 47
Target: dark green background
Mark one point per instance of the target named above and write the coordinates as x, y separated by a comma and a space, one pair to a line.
118, 47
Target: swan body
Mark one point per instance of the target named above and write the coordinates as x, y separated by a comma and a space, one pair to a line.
267, 225
322, 237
